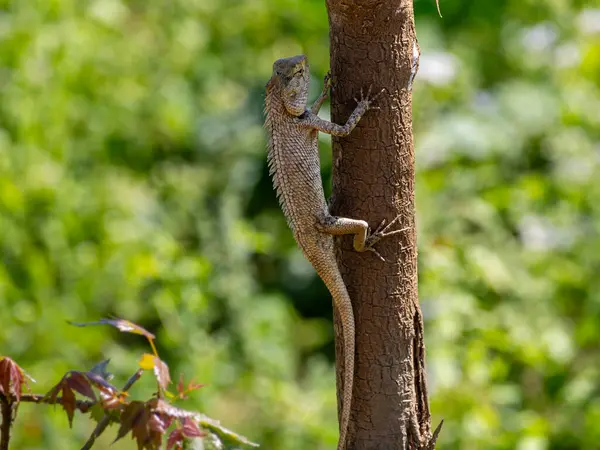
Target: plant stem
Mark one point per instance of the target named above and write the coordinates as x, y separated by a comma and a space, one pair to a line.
6, 422
105, 421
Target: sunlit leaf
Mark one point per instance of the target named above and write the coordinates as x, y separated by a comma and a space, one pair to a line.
159, 367
123, 325
161, 372
147, 361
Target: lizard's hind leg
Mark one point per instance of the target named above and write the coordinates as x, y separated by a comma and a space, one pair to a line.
338, 226
364, 240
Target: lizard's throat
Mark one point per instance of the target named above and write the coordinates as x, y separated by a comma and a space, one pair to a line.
279, 100
295, 103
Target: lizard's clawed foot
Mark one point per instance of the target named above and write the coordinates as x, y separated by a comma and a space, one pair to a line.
323, 95
381, 232
326, 86
368, 100
327, 81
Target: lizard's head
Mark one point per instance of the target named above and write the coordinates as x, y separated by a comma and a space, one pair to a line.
293, 76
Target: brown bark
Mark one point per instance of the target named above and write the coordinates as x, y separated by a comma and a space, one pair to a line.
373, 179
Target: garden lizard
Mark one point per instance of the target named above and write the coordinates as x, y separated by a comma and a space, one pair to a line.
294, 166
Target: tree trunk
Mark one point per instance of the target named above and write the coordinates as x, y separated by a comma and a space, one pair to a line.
373, 44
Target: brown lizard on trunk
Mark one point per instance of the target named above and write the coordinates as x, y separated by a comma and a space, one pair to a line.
294, 165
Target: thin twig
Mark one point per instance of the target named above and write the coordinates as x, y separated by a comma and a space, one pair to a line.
8, 405
132, 379
82, 405
105, 421
6, 422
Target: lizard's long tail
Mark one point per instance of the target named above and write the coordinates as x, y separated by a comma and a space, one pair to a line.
334, 282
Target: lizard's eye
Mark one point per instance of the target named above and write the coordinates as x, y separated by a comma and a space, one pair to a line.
299, 72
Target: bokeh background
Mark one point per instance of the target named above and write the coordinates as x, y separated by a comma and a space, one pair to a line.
133, 183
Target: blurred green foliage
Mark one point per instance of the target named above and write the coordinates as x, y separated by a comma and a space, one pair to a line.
133, 183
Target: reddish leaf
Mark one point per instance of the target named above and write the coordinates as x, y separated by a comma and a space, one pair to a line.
161, 372
147, 425
12, 378
51, 395
175, 439
99, 382
160, 369
153, 441
190, 428
165, 408
139, 423
79, 382
68, 402
194, 386
180, 387
169, 410
110, 396
134, 414
72, 380
158, 422
187, 428
70, 383
183, 391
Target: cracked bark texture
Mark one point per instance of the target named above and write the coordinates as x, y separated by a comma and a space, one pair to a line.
373, 179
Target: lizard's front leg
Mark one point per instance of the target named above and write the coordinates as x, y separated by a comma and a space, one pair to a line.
316, 106
311, 120
363, 239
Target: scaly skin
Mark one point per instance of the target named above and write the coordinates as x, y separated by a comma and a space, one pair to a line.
294, 165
